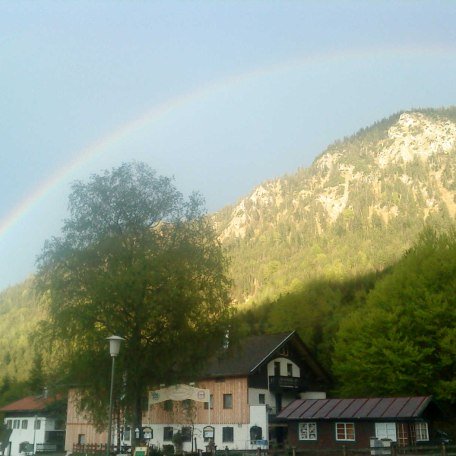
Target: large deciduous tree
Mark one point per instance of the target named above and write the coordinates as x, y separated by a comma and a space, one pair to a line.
138, 260
403, 341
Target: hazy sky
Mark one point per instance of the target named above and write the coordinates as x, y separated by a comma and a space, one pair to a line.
222, 95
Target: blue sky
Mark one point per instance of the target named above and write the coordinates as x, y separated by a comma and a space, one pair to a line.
222, 95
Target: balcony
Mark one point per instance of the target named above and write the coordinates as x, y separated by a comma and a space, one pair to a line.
278, 383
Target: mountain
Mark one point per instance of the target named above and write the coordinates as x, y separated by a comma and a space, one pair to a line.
324, 233
355, 210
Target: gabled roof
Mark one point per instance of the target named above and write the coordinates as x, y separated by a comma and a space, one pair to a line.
29, 404
356, 409
253, 351
249, 354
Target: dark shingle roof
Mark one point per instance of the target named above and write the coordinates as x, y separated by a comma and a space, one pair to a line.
244, 358
356, 409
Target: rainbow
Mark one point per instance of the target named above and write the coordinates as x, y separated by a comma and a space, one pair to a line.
159, 111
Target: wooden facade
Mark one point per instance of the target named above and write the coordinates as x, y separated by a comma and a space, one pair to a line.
79, 429
364, 431
217, 414
360, 423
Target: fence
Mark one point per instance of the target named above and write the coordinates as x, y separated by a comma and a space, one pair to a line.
46, 448
90, 448
419, 450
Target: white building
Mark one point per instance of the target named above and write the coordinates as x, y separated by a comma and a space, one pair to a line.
34, 426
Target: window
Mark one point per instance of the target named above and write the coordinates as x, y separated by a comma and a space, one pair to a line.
24, 424
345, 431
228, 434
307, 431
16, 424
25, 447
290, 370
168, 433
168, 406
81, 439
186, 434
211, 402
37, 424
256, 433
421, 431
386, 431
9, 424
261, 398
187, 404
277, 368
227, 401
59, 425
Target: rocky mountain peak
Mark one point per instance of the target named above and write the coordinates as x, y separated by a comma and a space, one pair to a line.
336, 173
417, 136
392, 177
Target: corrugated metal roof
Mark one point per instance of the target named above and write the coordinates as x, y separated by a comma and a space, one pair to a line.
356, 409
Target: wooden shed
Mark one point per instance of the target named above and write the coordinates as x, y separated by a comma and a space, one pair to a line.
330, 423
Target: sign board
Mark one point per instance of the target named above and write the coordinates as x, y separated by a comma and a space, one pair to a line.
141, 451
208, 433
178, 393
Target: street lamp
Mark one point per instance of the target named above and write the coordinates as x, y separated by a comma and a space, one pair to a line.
114, 347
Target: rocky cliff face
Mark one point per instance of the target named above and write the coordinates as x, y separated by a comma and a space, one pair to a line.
385, 182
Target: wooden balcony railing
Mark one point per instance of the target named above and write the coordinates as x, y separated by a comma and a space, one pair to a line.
277, 382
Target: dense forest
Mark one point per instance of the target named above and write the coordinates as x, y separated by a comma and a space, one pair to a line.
357, 253
395, 331
399, 322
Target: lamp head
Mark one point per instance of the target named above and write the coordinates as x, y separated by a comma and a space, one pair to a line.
114, 344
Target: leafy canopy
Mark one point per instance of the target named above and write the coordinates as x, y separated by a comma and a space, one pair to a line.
135, 259
403, 340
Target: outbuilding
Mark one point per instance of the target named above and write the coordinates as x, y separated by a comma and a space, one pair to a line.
360, 422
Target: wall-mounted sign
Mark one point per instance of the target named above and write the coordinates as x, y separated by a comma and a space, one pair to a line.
208, 433
178, 393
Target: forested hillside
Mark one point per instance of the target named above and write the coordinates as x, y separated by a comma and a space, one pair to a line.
355, 210
21, 357
315, 251
19, 313
394, 331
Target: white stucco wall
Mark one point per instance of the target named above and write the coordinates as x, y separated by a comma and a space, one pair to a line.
254, 394
30, 435
241, 432
296, 371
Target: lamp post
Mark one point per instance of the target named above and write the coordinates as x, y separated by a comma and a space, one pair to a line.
114, 347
